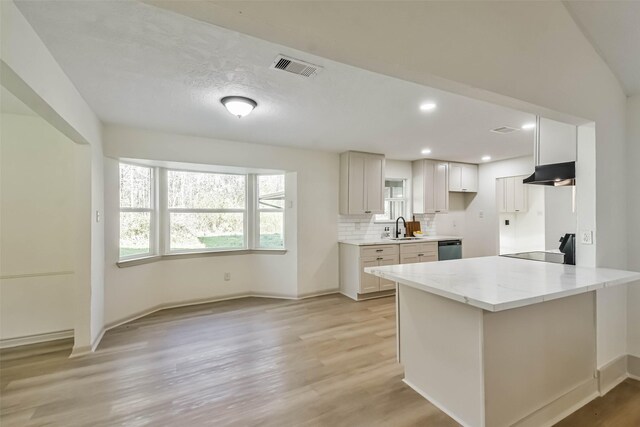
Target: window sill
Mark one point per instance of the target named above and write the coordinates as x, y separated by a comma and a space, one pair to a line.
155, 258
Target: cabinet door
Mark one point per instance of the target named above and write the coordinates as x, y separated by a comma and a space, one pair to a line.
429, 186
456, 176
441, 188
387, 260
510, 194
501, 194
374, 183
368, 282
469, 178
357, 189
519, 195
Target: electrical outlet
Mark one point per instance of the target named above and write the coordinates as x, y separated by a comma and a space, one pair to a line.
586, 237
481, 214
227, 277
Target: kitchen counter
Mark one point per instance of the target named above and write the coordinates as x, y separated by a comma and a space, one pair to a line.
383, 241
472, 332
502, 283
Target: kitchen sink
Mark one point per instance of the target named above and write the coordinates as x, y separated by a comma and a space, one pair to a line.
405, 238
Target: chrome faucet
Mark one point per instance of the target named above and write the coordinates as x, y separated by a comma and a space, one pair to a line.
405, 226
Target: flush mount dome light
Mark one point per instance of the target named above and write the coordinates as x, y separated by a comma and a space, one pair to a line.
239, 105
426, 151
528, 126
486, 158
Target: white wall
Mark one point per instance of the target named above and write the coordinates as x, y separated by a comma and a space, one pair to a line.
37, 246
310, 265
561, 219
633, 194
32, 74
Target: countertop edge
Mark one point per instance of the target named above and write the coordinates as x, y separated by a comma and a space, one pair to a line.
496, 307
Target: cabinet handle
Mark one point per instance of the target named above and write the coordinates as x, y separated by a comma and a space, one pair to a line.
379, 250
379, 258
420, 254
464, 189
367, 211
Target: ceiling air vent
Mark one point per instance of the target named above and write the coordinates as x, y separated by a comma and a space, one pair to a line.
504, 129
295, 66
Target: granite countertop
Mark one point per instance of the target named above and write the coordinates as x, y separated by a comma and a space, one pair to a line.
382, 241
500, 283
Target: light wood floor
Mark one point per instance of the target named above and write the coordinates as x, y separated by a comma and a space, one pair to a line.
326, 361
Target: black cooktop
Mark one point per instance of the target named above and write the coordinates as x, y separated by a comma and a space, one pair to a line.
555, 257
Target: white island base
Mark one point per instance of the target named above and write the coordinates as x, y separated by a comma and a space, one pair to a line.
497, 341
529, 366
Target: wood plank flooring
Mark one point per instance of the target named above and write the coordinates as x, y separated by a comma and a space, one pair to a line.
325, 361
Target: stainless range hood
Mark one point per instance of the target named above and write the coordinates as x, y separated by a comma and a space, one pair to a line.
555, 146
557, 174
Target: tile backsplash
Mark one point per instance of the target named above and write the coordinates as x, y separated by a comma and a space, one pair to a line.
359, 227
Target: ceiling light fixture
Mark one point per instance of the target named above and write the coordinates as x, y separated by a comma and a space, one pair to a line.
239, 105
528, 126
428, 106
486, 158
426, 151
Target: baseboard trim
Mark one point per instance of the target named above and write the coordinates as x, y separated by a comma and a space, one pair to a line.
612, 374
36, 338
553, 412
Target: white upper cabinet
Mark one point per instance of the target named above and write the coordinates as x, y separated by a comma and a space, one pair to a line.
556, 143
430, 186
361, 183
511, 195
463, 177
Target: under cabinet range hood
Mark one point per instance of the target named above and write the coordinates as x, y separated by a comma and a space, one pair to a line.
555, 147
556, 174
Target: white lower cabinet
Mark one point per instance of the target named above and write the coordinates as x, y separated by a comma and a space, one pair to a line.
357, 284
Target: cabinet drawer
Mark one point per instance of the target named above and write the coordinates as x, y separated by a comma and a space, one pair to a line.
418, 257
375, 251
414, 248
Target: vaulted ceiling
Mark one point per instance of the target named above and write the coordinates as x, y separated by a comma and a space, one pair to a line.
613, 27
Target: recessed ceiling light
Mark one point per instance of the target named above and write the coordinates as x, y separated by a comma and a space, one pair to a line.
428, 106
486, 158
426, 151
239, 105
528, 126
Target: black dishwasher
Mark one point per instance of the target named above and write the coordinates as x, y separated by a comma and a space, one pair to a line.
449, 249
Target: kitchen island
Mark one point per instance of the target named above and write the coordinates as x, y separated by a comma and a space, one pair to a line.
498, 341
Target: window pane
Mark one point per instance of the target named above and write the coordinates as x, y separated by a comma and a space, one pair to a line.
271, 229
135, 229
197, 190
135, 186
206, 230
270, 191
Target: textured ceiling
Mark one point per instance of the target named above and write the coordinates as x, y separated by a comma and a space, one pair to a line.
147, 67
613, 27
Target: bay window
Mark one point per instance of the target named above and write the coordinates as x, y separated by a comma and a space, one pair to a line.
199, 211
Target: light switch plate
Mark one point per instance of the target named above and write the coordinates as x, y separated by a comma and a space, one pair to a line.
586, 237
